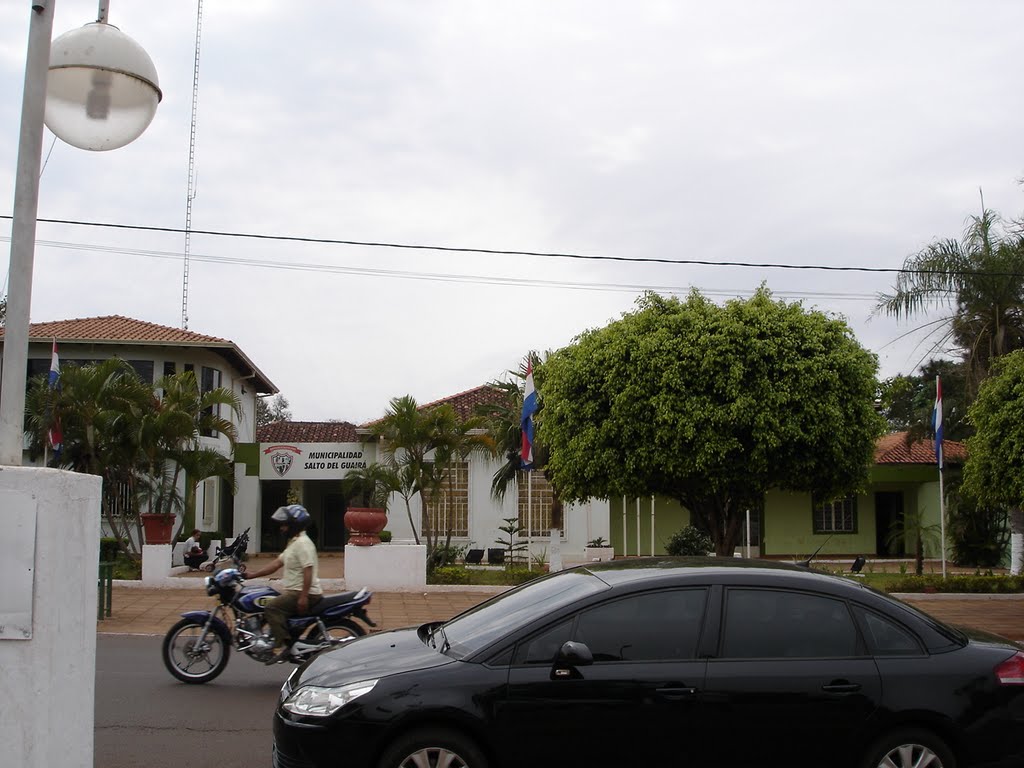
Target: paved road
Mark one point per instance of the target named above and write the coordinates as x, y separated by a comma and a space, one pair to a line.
144, 717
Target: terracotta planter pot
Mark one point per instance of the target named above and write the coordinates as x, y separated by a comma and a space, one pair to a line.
364, 525
157, 527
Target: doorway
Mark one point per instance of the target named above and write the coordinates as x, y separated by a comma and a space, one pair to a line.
334, 533
888, 516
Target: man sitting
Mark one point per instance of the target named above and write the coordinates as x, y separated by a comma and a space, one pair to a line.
194, 553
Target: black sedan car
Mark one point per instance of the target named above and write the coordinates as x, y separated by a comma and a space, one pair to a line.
672, 661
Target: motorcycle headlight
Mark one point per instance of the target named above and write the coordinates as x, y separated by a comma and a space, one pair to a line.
314, 701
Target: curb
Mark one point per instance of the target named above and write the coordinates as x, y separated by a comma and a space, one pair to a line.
328, 586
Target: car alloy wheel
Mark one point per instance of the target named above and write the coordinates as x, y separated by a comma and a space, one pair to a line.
910, 756
910, 748
431, 757
433, 748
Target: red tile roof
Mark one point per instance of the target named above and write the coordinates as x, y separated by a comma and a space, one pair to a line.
307, 432
116, 329
464, 403
894, 449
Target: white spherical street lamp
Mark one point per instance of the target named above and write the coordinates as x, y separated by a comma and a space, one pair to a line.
101, 93
102, 90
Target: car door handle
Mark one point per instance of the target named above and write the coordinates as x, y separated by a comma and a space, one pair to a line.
841, 687
676, 692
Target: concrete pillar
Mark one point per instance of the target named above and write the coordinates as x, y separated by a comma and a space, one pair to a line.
47, 711
156, 563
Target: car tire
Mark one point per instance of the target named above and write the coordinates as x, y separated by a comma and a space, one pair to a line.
433, 746
904, 748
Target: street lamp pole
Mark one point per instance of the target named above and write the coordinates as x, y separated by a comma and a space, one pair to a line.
23, 234
96, 89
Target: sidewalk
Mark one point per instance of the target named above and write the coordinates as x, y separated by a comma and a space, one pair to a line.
152, 610
143, 610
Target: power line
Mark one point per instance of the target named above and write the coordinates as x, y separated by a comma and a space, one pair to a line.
508, 252
438, 276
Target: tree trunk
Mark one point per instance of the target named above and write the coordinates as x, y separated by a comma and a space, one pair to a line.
1016, 541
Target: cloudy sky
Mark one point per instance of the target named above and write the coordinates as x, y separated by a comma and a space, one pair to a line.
801, 133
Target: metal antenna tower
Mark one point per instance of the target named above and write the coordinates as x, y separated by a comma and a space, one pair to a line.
191, 168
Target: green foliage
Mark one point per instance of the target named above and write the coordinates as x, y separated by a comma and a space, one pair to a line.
449, 574
598, 542
980, 535
371, 486
514, 549
994, 473
958, 583
459, 575
711, 405
906, 402
445, 555
689, 541
385, 537
982, 277
109, 549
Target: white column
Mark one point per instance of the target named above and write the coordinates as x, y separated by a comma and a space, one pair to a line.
47, 711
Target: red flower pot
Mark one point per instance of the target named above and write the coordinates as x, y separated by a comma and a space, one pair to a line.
364, 525
158, 527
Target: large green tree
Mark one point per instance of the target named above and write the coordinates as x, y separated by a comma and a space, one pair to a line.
994, 473
711, 405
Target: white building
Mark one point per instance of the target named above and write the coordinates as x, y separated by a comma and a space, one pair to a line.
155, 351
308, 458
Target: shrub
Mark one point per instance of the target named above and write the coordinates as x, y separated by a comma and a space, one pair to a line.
689, 541
443, 556
449, 574
109, 547
598, 542
959, 583
385, 537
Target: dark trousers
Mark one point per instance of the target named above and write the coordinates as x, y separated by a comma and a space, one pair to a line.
279, 609
194, 561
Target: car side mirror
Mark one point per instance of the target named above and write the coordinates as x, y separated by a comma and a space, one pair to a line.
570, 656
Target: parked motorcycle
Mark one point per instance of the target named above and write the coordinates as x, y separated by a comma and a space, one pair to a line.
235, 552
196, 649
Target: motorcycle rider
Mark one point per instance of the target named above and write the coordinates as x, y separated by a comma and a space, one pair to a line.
301, 586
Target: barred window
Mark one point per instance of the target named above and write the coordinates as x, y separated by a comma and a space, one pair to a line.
534, 502
835, 516
451, 510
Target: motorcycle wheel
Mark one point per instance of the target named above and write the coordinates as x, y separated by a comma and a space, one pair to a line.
338, 631
189, 663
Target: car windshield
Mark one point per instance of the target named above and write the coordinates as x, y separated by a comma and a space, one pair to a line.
478, 627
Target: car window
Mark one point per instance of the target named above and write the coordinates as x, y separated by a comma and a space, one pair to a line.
656, 626
493, 620
885, 637
763, 623
542, 648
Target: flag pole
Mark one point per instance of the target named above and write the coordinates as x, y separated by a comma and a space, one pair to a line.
937, 425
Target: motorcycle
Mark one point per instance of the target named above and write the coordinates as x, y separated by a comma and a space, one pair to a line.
235, 552
195, 650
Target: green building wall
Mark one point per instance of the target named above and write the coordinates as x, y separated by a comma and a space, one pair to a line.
787, 529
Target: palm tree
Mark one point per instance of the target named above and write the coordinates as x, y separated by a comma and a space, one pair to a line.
405, 439
981, 279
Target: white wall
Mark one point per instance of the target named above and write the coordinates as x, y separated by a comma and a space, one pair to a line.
47, 708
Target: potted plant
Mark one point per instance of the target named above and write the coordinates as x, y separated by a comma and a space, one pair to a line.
598, 549
367, 492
